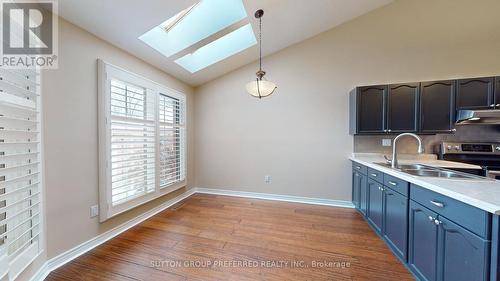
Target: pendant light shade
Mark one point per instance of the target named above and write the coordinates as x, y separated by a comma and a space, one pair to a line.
260, 87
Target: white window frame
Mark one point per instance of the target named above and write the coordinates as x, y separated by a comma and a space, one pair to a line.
107, 72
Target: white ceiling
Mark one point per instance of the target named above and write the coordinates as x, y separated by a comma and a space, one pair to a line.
285, 22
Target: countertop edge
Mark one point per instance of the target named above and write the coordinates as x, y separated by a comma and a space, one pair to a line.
491, 208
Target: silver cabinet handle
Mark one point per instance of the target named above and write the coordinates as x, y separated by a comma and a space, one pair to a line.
358, 167
492, 105
431, 218
453, 130
389, 131
437, 204
381, 189
497, 105
437, 222
373, 175
392, 183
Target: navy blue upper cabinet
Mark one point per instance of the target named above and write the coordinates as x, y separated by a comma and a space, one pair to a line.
422, 242
375, 204
368, 109
396, 222
402, 108
437, 107
475, 93
462, 255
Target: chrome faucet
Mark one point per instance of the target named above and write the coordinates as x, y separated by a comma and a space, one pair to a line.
394, 161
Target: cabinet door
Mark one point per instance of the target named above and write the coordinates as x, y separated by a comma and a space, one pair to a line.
355, 188
475, 93
363, 195
375, 204
463, 256
422, 242
396, 221
371, 109
437, 107
402, 107
497, 92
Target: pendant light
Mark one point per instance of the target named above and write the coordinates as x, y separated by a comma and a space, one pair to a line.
260, 88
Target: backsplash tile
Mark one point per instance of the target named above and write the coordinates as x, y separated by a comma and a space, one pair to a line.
469, 133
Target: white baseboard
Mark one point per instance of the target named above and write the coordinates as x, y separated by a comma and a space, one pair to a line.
277, 197
81, 249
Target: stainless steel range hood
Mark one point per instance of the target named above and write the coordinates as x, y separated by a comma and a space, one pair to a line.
478, 117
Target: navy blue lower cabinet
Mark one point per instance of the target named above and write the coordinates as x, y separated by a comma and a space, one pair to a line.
396, 222
355, 188
363, 194
462, 255
375, 204
422, 242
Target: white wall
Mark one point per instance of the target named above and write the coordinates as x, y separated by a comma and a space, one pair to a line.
300, 136
69, 98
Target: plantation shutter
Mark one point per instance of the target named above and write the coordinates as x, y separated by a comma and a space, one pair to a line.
172, 132
132, 142
142, 139
20, 170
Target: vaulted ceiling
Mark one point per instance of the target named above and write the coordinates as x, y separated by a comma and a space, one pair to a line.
285, 22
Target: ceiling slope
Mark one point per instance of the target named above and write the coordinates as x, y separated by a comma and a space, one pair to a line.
285, 22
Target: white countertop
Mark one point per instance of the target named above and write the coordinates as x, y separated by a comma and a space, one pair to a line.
481, 193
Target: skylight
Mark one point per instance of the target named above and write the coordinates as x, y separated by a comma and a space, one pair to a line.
194, 24
219, 49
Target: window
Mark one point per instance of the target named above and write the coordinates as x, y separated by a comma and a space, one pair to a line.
142, 140
20, 170
203, 34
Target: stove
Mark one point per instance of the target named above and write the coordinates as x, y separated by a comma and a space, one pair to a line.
484, 154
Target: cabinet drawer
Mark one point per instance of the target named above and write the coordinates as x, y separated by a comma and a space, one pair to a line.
472, 218
376, 175
360, 168
396, 184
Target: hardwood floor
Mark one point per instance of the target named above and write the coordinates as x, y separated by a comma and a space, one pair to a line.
211, 237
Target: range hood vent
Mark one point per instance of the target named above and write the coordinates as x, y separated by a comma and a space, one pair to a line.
478, 117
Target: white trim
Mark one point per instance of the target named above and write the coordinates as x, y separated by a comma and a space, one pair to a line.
81, 249
106, 72
277, 197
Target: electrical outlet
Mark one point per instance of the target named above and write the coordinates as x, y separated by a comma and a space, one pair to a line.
386, 142
94, 211
267, 179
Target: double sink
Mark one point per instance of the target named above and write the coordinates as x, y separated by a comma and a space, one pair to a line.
428, 171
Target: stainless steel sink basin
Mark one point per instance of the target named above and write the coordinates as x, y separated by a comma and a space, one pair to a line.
428, 171
438, 173
406, 166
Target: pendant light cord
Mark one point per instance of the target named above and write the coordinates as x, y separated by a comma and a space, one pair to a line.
260, 43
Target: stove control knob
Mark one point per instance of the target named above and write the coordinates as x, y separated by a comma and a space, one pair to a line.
497, 148
449, 147
457, 147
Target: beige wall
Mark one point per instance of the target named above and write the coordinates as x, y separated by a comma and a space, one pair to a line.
71, 137
300, 136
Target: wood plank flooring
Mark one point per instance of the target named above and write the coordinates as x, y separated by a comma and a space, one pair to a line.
210, 237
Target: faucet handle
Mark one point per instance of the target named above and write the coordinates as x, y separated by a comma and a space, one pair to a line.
387, 159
